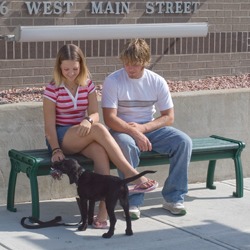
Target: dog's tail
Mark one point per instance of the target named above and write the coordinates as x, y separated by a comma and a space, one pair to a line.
130, 179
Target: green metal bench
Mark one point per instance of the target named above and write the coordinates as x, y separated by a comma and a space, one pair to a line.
37, 163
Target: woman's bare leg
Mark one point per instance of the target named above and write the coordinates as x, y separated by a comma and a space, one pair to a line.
99, 156
97, 153
72, 143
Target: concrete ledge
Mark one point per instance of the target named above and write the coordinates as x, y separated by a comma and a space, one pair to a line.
203, 113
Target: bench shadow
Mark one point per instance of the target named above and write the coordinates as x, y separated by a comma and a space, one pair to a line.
70, 208
156, 197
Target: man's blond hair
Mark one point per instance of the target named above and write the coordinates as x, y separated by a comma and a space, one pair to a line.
136, 51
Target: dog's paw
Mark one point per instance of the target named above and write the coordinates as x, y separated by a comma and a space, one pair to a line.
129, 232
107, 235
83, 227
90, 221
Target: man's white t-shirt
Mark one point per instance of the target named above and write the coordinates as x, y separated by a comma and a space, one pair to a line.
136, 100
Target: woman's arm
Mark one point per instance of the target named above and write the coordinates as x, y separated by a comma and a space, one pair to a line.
49, 112
85, 125
93, 107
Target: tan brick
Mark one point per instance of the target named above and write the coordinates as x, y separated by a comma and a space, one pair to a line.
176, 66
33, 63
22, 21
104, 69
160, 66
22, 72
196, 65
232, 6
10, 80
222, 71
34, 81
5, 72
43, 71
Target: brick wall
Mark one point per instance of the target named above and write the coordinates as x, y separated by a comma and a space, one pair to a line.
225, 51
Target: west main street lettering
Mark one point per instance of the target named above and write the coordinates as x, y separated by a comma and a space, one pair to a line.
118, 8
159, 7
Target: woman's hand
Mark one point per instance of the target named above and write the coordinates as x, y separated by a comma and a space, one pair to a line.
57, 155
84, 128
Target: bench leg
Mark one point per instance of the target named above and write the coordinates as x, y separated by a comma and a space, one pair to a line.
239, 178
34, 196
210, 174
12, 188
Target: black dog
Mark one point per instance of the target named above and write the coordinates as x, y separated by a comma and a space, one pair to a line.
94, 187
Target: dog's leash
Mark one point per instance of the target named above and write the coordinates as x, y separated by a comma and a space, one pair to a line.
41, 224
36, 224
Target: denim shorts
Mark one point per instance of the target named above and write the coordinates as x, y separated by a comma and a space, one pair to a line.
60, 130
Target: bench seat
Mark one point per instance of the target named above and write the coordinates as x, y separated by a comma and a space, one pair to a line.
37, 163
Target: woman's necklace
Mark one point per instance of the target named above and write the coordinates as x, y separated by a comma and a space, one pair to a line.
72, 89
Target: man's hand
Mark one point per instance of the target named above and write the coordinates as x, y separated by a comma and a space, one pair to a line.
137, 126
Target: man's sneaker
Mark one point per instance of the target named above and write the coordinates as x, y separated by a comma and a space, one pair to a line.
175, 208
134, 212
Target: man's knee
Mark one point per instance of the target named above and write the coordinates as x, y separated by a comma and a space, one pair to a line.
188, 141
128, 147
125, 141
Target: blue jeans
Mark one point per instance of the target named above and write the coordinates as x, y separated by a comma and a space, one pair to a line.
61, 131
167, 140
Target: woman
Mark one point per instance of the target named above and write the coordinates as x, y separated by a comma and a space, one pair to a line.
72, 122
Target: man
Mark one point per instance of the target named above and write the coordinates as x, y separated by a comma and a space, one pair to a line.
129, 98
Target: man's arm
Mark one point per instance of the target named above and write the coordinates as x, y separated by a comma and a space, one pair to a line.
165, 119
114, 122
136, 130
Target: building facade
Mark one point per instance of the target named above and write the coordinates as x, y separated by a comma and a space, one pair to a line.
224, 51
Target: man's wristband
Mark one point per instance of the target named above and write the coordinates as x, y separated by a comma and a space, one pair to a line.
89, 119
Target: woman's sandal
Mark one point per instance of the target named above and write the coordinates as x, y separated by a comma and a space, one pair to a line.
144, 187
99, 224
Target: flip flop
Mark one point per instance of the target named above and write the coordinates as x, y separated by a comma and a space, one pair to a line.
138, 189
99, 224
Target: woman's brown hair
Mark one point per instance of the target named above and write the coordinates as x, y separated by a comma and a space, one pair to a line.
74, 53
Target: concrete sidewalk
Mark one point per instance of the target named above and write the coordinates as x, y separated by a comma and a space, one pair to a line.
215, 220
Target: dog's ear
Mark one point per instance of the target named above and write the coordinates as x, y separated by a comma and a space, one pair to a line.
74, 171
72, 179
74, 175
